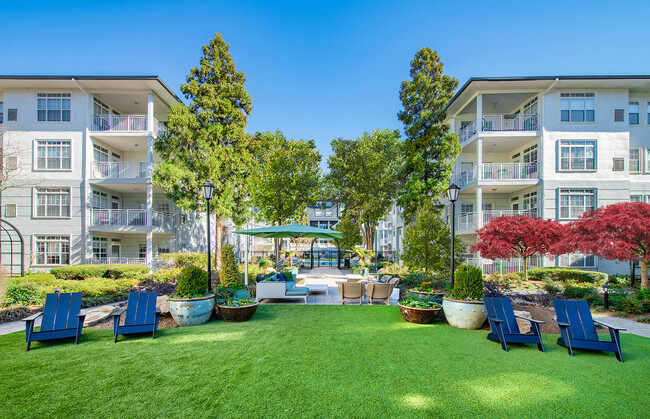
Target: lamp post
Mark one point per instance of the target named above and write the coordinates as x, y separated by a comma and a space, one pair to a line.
452, 195
208, 190
606, 290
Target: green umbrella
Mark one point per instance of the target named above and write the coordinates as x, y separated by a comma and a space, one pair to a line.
292, 230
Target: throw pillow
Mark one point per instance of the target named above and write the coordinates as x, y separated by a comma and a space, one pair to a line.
287, 275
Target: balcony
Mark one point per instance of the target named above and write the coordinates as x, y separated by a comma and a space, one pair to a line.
467, 223
488, 215
499, 123
503, 266
128, 220
119, 261
499, 172
119, 170
124, 123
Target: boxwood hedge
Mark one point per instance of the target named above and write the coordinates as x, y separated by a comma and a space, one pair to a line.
105, 271
567, 275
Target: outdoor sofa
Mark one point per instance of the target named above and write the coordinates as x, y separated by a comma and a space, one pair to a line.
280, 288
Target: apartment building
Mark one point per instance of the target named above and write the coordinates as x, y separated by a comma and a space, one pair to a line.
389, 234
81, 153
550, 147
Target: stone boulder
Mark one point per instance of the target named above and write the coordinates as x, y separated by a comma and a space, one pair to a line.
162, 302
524, 326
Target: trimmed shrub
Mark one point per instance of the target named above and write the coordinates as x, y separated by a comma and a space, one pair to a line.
229, 275
192, 282
22, 293
552, 287
182, 259
468, 283
163, 275
567, 275
106, 271
580, 292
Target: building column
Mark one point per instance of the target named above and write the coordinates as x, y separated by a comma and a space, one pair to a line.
479, 113
149, 248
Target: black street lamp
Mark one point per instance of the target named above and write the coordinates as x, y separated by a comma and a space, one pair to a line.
208, 190
452, 195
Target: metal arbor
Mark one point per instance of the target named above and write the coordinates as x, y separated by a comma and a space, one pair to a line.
12, 249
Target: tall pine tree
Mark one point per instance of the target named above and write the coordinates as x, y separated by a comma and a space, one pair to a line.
431, 148
206, 141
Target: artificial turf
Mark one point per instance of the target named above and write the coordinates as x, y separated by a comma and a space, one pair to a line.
318, 361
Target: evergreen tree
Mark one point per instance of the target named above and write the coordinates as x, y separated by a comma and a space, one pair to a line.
206, 141
430, 147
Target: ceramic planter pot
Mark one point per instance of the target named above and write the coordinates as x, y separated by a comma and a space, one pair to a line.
421, 295
418, 315
237, 314
191, 311
464, 314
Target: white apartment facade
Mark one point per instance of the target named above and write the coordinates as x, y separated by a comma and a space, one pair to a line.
81, 151
550, 147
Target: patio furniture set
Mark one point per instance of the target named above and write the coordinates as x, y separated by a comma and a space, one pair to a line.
371, 291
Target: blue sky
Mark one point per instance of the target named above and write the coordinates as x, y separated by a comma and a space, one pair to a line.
329, 69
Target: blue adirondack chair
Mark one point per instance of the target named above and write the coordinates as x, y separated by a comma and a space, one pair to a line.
141, 315
61, 319
578, 330
504, 324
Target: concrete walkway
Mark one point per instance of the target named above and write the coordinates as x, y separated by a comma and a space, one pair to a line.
101, 313
635, 328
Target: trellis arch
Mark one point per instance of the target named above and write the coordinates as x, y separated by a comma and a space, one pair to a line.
12, 249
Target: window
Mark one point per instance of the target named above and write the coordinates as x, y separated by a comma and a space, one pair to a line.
530, 154
53, 154
647, 160
100, 247
574, 202
530, 118
530, 201
577, 155
577, 107
466, 208
53, 107
635, 160
318, 213
619, 164
11, 163
164, 208
99, 200
328, 213
636, 198
53, 202
10, 210
633, 113
619, 115
100, 153
52, 250
12, 115
163, 249
577, 260
1, 113
142, 251
99, 107
647, 111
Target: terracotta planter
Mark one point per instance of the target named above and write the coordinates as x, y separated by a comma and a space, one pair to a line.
191, 311
464, 314
418, 315
421, 295
237, 314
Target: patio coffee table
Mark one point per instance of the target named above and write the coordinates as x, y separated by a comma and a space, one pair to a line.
318, 287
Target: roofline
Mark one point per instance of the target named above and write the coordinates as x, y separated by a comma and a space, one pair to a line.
50, 77
529, 78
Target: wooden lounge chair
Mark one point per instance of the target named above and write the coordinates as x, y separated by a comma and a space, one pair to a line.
141, 315
503, 323
351, 291
61, 319
378, 291
577, 328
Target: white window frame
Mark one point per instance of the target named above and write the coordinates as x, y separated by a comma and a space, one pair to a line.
163, 249
569, 260
576, 192
101, 197
100, 246
51, 191
636, 198
637, 113
529, 201
574, 96
61, 145
639, 161
647, 111
51, 238
101, 151
575, 144
47, 97
142, 254
647, 160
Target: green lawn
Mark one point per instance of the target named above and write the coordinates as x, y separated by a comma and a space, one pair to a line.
318, 361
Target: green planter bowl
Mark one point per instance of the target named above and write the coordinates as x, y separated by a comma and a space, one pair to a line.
191, 311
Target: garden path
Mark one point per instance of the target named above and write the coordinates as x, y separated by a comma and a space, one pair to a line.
636, 328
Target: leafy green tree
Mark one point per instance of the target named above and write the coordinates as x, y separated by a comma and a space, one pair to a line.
229, 275
351, 233
364, 177
427, 242
206, 141
431, 147
288, 179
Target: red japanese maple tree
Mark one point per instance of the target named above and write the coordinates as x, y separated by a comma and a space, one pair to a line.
506, 237
618, 231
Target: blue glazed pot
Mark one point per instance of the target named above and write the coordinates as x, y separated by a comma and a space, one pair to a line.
464, 314
191, 311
